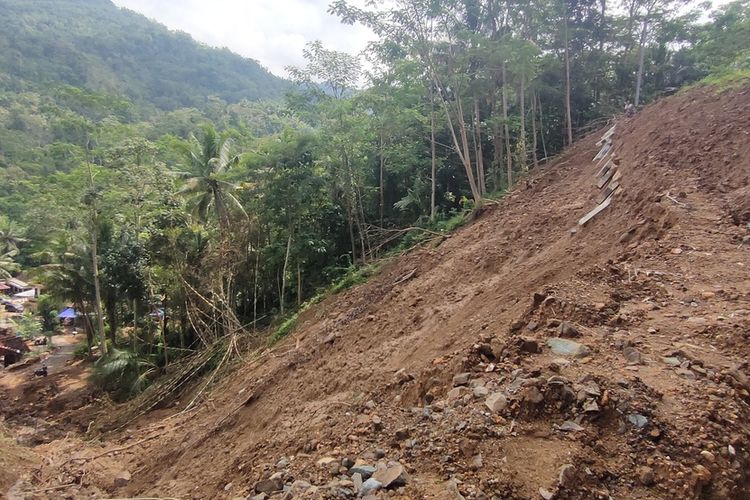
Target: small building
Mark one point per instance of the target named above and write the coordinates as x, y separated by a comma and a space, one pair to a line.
4, 289
17, 286
12, 347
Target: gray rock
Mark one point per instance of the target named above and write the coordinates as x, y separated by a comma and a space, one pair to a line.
370, 486
567, 330
496, 402
259, 496
357, 480
529, 345
283, 463
122, 479
632, 356
546, 494
390, 476
347, 462
461, 379
481, 391
365, 471
638, 420
567, 347
570, 426
671, 361
270, 485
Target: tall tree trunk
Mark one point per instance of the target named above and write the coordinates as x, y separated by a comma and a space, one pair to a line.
255, 285
97, 290
478, 147
541, 128
497, 148
382, 177
164, 332
641, 56
284, 270
533, 131
134, 338
299, 285
568, 114
522, 135
506, 134
433, 158
461, 147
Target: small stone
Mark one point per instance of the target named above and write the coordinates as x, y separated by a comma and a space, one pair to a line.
708, 295
570, 426
365, 471
496, 402
378, 453
600, 306
122, 479
228, 487
481, 391
370, 486
533, 325
702, 474
326, 461
708, 456
685, 373
402, 377
357, 480
567, 330
652, 330
270, 485
259, 496
677, 251
347, 463
377, 423
391, 476
567, 347
671, 361
530, 346
638, 420
402, 433
590, 406
282, 463
632, 356
477, 462
567, 475
546, 494
646, 476
461, 379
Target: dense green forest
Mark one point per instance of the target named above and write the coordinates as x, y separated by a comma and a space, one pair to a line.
95, 45
231, 214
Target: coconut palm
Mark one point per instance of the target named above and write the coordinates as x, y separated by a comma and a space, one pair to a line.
9, 239
7, 264
208, 160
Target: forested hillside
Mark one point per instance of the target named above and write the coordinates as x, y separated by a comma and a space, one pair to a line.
95, 45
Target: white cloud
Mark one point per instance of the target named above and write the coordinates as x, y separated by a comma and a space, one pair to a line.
272, 32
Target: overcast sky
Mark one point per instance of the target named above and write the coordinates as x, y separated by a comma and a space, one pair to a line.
273, 32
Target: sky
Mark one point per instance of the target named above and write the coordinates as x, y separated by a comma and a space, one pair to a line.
273, 32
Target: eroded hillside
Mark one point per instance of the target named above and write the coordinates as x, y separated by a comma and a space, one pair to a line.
445, 373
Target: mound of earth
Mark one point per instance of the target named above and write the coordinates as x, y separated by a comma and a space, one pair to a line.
525, 356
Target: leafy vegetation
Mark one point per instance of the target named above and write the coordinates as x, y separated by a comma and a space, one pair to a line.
175, 230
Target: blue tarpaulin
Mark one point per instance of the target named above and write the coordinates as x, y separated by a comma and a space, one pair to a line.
68, 313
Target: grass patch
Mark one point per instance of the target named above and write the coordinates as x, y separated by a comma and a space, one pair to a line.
285, 328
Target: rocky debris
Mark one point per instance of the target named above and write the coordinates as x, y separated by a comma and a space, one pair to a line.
365, 471
270, 485
568, 331
461, 379
403, 377
570, 426
567, 475
121, 479
529, 345
566, 347
638, 420
496, 402
370, 486
391, 475
646, 476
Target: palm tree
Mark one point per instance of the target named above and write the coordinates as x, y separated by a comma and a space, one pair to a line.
9, 239
207, 161
7, 265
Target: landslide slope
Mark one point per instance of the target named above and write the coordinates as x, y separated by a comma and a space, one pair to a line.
656, 287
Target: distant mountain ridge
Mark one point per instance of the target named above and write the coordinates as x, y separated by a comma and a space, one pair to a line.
96, 45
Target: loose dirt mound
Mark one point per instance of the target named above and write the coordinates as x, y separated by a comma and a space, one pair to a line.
451, 362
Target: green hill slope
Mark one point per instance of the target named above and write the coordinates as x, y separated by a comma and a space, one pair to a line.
96, 45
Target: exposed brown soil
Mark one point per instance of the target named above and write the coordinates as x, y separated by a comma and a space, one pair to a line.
657, 287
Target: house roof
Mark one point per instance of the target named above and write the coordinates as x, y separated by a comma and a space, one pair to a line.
15, 282
3, 286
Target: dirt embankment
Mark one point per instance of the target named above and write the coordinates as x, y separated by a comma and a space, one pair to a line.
517, 359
